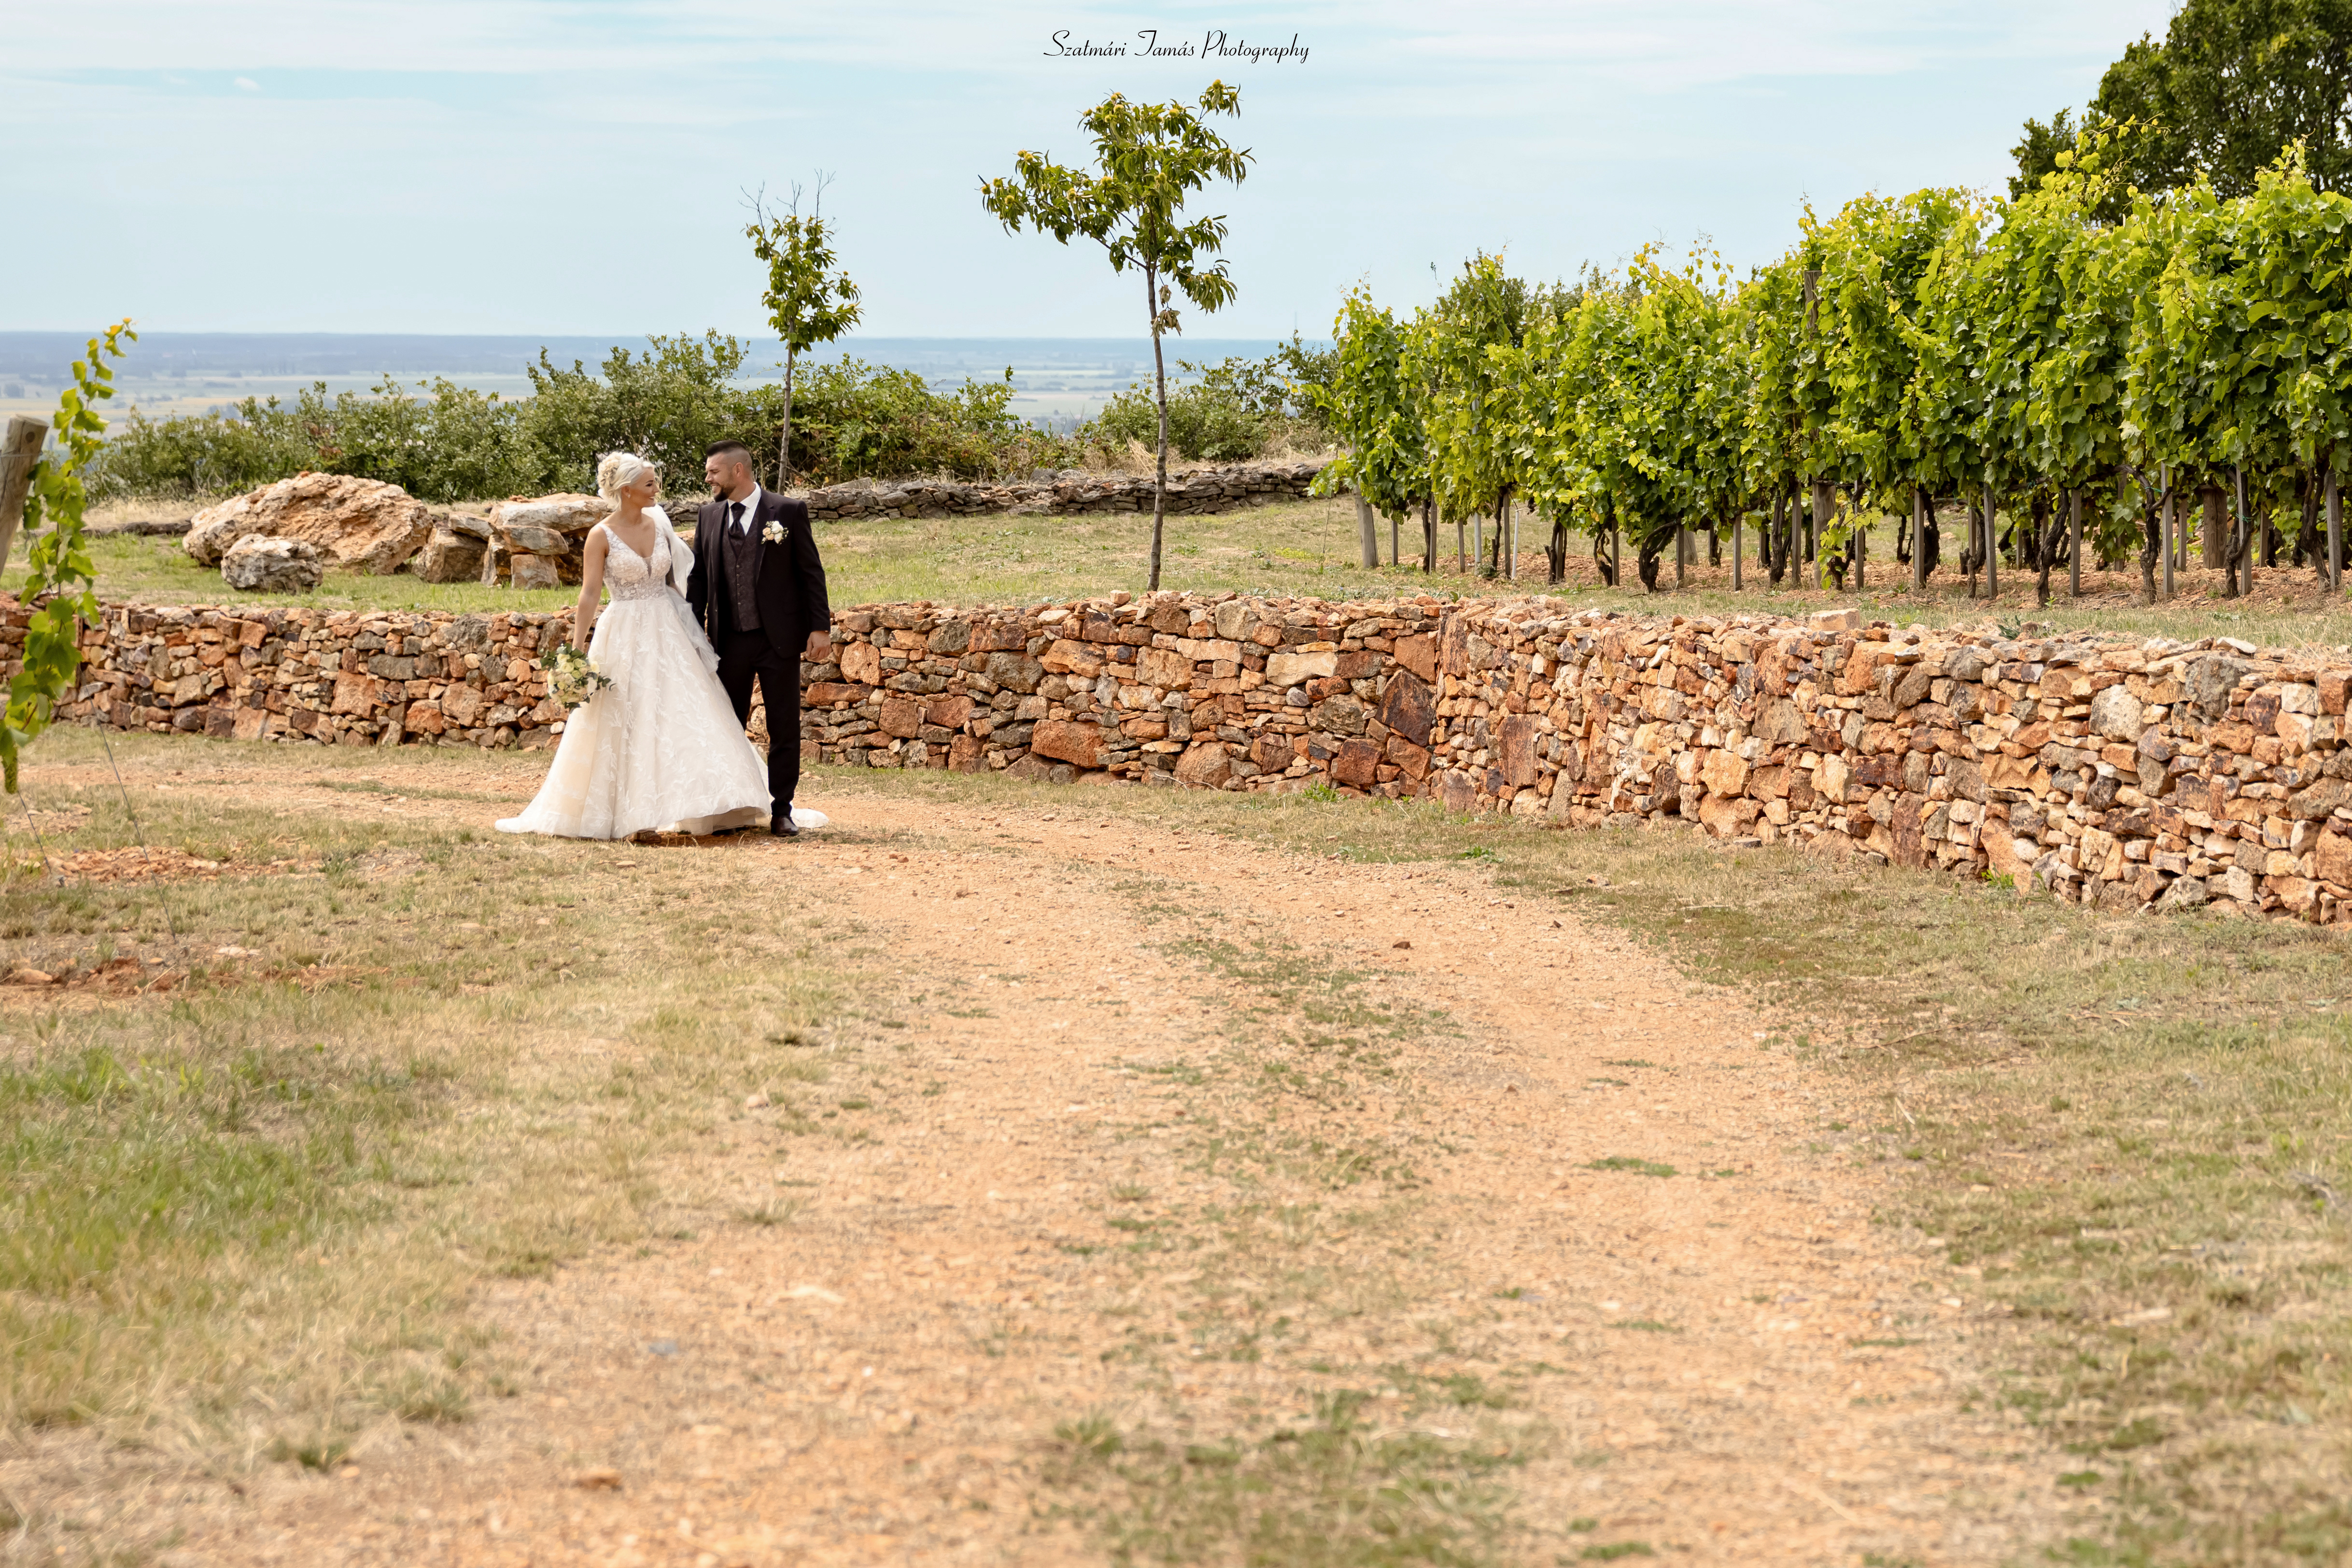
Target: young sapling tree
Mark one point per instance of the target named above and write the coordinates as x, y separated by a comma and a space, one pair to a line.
809, 302
1148, 158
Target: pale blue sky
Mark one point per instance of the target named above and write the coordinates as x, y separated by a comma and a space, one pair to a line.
573, 166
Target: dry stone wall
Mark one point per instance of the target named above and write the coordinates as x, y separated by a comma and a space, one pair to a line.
2116, 773
1071, 493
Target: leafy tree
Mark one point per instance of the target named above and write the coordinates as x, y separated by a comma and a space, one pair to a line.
808, 302
1149, 157
2232, 86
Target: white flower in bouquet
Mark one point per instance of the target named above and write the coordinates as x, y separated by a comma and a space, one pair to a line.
572, 676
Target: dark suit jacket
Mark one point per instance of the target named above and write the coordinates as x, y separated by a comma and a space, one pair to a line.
790, 588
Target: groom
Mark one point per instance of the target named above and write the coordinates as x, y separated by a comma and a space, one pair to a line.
758, 588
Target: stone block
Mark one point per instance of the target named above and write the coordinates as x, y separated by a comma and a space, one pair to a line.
1291, 668
1069, 741
1204, 765
900, 718
1357, 764
1724, 772
1013, 671
2332, 858
530, 571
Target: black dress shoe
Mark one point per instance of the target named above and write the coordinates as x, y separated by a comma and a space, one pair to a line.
783, 825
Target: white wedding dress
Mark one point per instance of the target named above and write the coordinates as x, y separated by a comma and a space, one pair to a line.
660, 748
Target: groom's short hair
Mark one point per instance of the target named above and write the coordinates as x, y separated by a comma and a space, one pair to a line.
728, 449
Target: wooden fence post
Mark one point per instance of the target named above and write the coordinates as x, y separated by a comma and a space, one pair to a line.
1739, 532
19, 452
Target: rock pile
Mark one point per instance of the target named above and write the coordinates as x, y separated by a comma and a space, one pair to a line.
538, 542
2122, 773
363, 525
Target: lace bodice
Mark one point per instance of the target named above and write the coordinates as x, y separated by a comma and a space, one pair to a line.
629, 574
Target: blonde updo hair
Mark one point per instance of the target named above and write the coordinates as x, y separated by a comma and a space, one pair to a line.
620, 469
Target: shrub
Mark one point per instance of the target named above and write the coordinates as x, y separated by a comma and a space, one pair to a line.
667, 404
1235, 409
850, 420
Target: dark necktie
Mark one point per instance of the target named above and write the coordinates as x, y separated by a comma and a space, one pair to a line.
735, 517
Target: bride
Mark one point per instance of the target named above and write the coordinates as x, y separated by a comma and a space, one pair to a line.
660, 747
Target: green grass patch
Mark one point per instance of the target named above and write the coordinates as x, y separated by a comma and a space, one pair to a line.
1628, 1163
1331, 1490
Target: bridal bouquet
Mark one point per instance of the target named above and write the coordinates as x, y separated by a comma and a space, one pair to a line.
572, 679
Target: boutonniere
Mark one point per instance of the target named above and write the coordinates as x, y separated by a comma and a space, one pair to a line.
774, 532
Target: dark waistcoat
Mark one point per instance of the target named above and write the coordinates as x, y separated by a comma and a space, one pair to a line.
742, 569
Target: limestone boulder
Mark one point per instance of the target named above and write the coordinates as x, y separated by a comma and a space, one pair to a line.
536, 571
363, 525
449, 556
255, 564
542, 533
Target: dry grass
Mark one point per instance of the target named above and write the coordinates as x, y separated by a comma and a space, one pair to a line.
244, 1213
2133, 1130
245, 1205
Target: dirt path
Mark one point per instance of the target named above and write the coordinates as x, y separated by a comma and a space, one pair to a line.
1117, 1145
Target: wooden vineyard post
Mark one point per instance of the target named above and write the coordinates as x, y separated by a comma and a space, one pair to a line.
1507, 532
1918, 542
2334, 534
2243, 535
1823, 490
1461, 547
2075, 543
1368, 532
1738, 539
1860, 550
1396, 539
1682, 552
19, 452
2171, 529
1992, 541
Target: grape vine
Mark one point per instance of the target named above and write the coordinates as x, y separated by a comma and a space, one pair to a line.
59, 579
